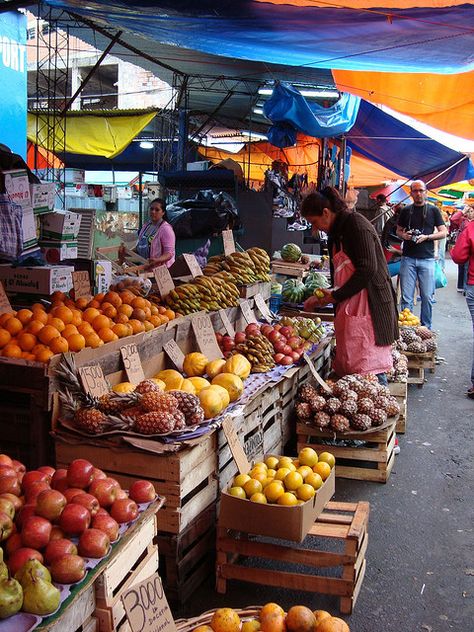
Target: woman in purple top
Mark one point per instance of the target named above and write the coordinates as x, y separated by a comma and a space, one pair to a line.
156, 239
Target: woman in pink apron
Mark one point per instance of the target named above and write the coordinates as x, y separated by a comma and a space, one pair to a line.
366, 316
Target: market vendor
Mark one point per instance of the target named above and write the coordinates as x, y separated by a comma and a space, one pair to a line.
156, 239
366, 318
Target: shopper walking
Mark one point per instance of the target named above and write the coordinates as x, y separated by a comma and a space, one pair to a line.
366, 320
416, 226
463, 253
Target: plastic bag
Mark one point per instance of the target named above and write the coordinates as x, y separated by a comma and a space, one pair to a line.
440, 277
136, 284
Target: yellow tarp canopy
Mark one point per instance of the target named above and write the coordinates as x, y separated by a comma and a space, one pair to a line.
445, 102
92, 135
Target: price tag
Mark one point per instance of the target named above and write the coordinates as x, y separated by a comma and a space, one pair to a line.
147, 608
174, 353
131, 362
263, 308
81, 284
226, 322
93, 380
163, 280
193, 265
5, 306
235, 446
206, 337
229, 244
315, 374
247, 312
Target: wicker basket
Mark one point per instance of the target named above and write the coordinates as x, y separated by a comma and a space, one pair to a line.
188, 625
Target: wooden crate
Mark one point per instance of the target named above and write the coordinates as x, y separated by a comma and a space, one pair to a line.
136, 560
186, 478
77, 617
372, 461
278, 266
188, 558
417, 364
399, 391
249, 291
343, 526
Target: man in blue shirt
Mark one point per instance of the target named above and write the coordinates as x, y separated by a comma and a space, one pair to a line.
416, 227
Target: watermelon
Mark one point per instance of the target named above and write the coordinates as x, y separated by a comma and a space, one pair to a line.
315, 281
291, 253
293, 291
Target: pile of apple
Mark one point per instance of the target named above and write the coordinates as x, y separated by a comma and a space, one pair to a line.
59, 517
288, 346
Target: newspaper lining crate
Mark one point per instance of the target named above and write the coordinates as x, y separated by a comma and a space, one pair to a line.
372, 461
187, 478
136, 560
399, 391
417, 363
341, 525
188, 558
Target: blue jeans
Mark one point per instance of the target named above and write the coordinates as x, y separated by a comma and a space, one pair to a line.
412, 269
470, 304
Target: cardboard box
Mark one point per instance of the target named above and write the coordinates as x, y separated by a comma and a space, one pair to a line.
28, 225
63, 226
42, 197
102, 275
77, 190
74, 175
17, 186
40, 280
56, 251
275, 521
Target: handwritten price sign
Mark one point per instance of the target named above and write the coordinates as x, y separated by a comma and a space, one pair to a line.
229, 244
174, 353
315, 374
5, 306
132, 365
226, 322
263, 308
93, 380
206, 337
147, 608
163, 280
81, 284
193, 265
247, 312
235, 445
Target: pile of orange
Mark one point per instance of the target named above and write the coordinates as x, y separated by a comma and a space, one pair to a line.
37, 334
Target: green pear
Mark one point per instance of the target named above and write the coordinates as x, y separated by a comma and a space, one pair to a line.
32, 569
3, 570
11, 597
40, 597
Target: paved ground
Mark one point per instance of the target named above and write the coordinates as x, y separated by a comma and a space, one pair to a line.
420, 560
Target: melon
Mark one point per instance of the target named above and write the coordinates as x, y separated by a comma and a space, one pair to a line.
291, 253
293, 291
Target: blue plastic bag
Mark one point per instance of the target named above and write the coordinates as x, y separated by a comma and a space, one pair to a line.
440, 277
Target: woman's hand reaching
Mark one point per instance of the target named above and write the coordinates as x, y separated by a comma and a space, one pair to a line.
323, 297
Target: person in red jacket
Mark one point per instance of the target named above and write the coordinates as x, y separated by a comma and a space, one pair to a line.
463, 253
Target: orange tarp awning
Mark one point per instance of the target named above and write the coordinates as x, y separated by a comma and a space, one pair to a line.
445, 102
44, 159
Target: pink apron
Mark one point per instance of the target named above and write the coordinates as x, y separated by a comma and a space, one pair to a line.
356, 351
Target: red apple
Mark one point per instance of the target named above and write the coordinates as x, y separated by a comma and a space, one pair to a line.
287, 331
58, 548
287, 350
88, 501
102, 512
6, 526
286, 360
93, 543
142, 491
19, 557
121, 493
8, 470
50, 504
274, 336
124, 510
25, 512
5, 460
74, 519
227, 343
56, 533
48, 470
266, 329
278, 357
277, 327
105, 491
31, 477
107, 524
279, 346
70, 492
295, 355
17, 502
68, 569
35, 532
19, 468
80, 473
10, 485
13, 543
294, 342
252, 329
219, 337
98, 474
35, 489
240, 337
59, 479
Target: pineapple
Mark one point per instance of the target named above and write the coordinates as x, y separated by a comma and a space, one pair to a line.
348, 394
188, 404
304, 411
393, 407
317, 403
348, 407
155, 423
147, 386
159, 401
322, 419
180, 420
339, 423
378, 417
196, 418
365, 406
91, 420
332, 405
382, 402
361, 422
431, 345
306, 393
113, 403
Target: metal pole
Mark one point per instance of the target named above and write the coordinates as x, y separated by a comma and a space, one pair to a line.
140, 199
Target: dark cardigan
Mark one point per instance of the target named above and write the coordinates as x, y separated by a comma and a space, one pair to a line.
362, 245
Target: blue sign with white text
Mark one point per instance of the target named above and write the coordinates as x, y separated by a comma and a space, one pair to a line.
13, 86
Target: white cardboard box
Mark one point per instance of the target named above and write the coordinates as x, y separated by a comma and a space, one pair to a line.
60, 225
17, 186
40, 280
56, 251
42, 197
28, 225
102, 275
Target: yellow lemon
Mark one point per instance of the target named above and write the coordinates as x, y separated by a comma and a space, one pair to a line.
271, 462
323, 469
308, 456
305, 492
258, 498
252, 487
282, 472
327, 457
238, 492
304, 470
293, 480
273, 491
288, 500
241, 479
314, 480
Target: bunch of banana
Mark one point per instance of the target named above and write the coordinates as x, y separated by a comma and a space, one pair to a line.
214, 265
241, 266
185, 299
261, 262
216, 293
258, 351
